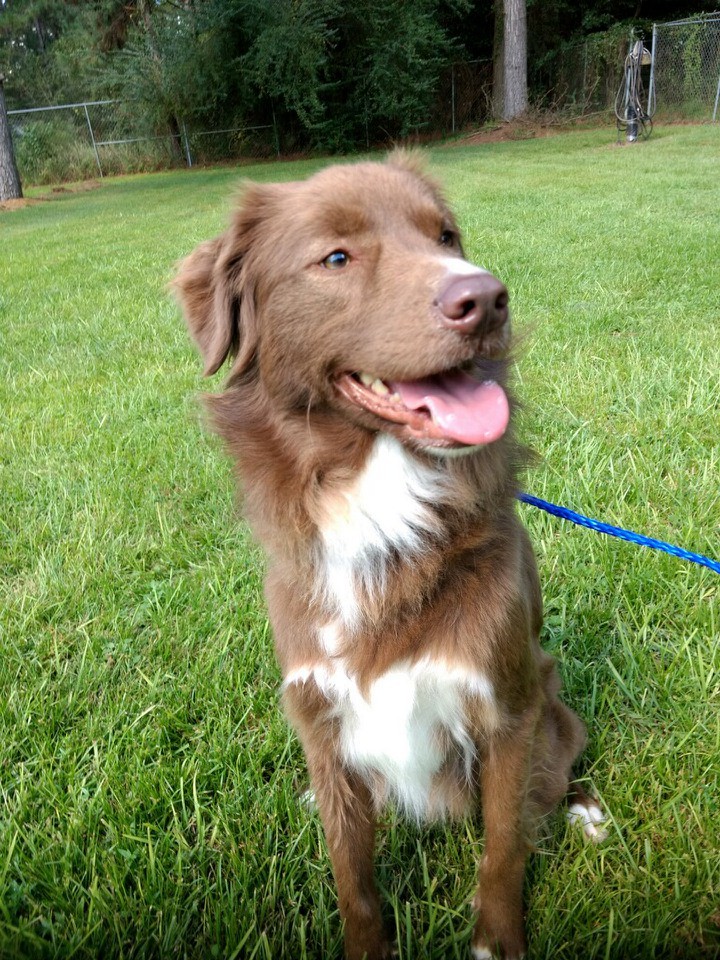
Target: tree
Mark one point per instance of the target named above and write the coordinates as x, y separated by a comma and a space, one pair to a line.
10, 188
288, 60
406, 49
510, 90
46, 48
385, 65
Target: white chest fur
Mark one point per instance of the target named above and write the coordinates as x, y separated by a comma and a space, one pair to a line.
400, 730
384, 511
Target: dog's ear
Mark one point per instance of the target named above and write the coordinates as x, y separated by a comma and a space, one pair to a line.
205, 291
215, 289
409, 159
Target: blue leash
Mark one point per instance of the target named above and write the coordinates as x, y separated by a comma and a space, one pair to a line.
611, 531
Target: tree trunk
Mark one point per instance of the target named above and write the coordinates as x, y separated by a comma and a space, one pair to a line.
515, 72
498, 87
10, 188
510, 59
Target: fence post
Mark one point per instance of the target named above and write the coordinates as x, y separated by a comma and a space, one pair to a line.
452, 94
275, 132
186, 143
92, 137
651, 86
717, 97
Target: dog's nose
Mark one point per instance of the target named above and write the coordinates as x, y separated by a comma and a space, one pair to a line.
475, 303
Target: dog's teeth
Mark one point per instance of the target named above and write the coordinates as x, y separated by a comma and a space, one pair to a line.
374, 383
396, 398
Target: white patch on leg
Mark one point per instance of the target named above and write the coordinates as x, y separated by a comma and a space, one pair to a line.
590, 818
307, 800
485, 953
481, 953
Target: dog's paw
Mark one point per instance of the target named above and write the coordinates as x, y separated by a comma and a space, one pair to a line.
588, 814
481, 952
308, 800
506, 942
384, 951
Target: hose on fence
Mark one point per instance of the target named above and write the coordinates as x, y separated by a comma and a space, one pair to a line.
630, 113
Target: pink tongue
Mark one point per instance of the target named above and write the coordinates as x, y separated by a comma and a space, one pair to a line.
461, 407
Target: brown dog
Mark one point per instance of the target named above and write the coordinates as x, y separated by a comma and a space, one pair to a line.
368, 416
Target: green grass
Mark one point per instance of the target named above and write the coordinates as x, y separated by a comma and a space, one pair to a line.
148, 782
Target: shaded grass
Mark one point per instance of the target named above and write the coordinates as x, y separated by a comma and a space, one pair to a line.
148, 783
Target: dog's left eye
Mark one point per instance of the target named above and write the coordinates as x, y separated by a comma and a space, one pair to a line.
447, 238
336, 260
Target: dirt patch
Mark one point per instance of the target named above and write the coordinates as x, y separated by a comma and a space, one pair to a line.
17, 204
56, 193
528, 128
81, 187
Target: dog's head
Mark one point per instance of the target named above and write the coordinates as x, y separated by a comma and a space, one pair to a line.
350, 292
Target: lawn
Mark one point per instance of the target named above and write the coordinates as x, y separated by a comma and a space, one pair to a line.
149, 786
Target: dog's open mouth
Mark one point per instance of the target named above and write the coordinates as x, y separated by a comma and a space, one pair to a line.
445, 409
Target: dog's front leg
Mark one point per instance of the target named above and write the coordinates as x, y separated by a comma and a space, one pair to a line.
500, 929
345, 807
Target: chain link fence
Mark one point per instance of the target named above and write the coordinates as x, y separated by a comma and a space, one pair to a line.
97, 138
83, 140
79, 141
685, 72
468, 90
581, 78
682, 80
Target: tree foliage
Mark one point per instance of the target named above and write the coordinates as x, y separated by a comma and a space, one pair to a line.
333, 74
